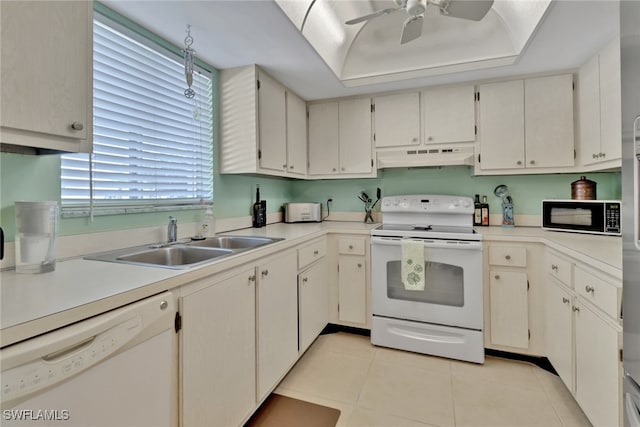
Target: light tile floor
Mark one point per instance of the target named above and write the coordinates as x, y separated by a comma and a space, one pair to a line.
376, 387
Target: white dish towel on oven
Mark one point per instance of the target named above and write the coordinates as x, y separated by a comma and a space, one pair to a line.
412, 265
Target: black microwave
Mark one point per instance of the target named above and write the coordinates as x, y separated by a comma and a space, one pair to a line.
582, 216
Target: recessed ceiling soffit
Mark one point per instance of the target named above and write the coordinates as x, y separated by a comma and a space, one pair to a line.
371, 51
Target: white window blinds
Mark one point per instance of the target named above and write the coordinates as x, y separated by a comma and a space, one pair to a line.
152, 146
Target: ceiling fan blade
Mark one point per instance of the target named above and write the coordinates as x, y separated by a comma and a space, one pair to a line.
412, 28
371, 16
473, 10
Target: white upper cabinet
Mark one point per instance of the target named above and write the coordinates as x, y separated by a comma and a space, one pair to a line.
599, 99
526, 126
340, 141
296, 135
263, 125
548, 118
397, 120
449, 115
324, 139
501, 125
272, 124
46, 75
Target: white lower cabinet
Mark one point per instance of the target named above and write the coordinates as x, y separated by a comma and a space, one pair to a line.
353, 294
584, 337
218, 357
514, 297
277, 320
313, 303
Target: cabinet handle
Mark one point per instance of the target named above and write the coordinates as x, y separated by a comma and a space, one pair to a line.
574, 308
333, 170
315, 253
342, 169
603, 154
497, 277
265, 273
532, 162
519, 162
291, 167
350, 247
416, 139
428, 139
565, 300
507, 257
252, 278
589, 289
305, 279
359, 265
77, 126
554, 267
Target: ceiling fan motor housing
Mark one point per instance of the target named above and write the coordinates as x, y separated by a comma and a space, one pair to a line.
416, 7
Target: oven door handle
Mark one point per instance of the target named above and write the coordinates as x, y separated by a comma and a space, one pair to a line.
438, 244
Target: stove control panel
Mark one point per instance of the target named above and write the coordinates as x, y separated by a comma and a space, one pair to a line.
428, 203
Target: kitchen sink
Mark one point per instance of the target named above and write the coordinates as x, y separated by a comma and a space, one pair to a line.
174, 256
233, 242
184, 254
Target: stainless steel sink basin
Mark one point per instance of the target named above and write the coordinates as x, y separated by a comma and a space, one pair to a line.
234, 242
184, 254
174, 256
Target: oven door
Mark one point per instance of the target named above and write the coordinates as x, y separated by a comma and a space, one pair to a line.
453, 283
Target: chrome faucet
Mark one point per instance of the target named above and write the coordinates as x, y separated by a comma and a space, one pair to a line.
172, 232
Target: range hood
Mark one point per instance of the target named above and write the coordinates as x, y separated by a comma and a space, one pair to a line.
426, 157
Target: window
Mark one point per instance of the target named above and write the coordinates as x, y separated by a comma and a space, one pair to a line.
152, 146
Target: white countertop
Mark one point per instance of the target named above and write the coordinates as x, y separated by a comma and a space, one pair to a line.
32, 304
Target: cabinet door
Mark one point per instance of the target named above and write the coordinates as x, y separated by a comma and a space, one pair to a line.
218, 353
356, 155
501, 125
449, 115
352, 289
397, 120
46, 74
296, 135
313, 295
324, 139
277, 321
610, 102
509, 308
598, 372
271, 124
559, 331
548, 107
589, 108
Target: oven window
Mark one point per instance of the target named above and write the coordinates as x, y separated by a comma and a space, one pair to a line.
443, 284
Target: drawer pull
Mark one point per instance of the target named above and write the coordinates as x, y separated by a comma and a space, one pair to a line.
565, 300
497, 277
252, 278
554, 267
77, 126
350, 247
507, 257
315, 253
359, 265
265, 273
574, 308
589, 289
305, 279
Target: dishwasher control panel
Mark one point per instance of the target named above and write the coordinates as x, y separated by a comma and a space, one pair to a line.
57, 366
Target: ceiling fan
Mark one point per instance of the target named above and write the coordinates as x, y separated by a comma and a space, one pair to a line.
473, 10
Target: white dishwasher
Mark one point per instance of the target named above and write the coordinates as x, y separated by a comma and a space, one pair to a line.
119, 368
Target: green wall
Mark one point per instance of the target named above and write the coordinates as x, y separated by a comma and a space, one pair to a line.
526, 190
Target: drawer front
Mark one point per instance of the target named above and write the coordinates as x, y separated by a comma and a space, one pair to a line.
604, 295
311, 253
511, 256
351, 246
560, 268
